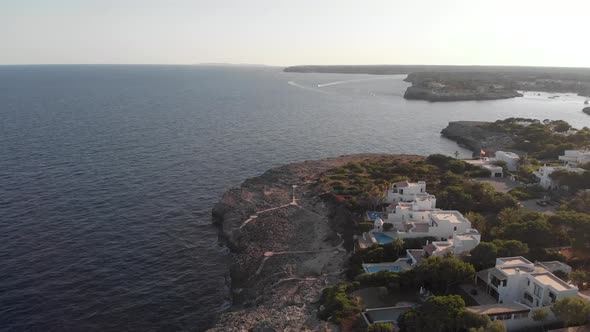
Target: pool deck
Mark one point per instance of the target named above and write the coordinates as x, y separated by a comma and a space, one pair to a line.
401, 265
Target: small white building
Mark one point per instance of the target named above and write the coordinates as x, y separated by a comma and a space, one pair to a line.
575, 157
495, 171
544, 175
405, 191
511, 159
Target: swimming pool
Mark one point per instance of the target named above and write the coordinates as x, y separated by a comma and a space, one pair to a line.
392, 268
374, 215
382, 238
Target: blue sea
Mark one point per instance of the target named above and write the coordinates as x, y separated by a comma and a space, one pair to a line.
108, 175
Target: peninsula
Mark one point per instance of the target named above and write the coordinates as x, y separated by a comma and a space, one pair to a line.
287, 244
358, 243
455, 83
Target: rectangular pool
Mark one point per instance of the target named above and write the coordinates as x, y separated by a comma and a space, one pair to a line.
392, 268
382, 238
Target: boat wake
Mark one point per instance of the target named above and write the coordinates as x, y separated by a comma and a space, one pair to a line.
357, 80
293, 83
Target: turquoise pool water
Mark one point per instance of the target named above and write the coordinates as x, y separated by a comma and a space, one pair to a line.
373, 269
382, 238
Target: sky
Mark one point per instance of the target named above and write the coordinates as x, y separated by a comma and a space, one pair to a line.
296, 32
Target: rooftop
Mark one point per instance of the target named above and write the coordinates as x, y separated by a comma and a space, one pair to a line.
509, 154
554, 265
512, 270
417, 254
451, 216
417, 227
514, 261
547, 278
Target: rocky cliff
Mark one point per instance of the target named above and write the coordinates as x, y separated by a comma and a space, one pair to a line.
283, 253
474, 135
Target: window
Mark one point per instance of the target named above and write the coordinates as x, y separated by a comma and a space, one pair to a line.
455, 228
538, 291
521, 315
528, 297
528, 282
553, 297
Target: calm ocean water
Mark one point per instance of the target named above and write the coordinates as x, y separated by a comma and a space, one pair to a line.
108, 174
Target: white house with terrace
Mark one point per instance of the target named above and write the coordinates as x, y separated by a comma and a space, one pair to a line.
457, 245
519, 286
511, 159
416, 210
575, 157
516, 279
544, 175
405, 191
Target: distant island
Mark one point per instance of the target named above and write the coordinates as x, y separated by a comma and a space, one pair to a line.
455, 83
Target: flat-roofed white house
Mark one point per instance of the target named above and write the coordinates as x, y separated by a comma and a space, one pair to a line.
405, 191
516, 279
544, 175
416, 210
440, 224
519, 286
575, 157
457, 245
511, 159
495, 171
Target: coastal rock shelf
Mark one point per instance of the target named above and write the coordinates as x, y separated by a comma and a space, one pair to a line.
284, 251
474, 135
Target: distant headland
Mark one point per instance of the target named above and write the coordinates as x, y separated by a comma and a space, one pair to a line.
454, 83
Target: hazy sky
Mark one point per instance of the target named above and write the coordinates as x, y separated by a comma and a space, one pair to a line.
277, 32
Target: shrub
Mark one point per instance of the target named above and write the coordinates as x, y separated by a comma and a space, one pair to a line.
381, 327
365, 227
337, 305
387, 227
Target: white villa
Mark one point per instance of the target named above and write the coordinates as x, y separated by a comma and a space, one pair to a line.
519, 286
405, 191
439, 224
456, 245
544, 175
413, 214
575, 157
417, 210
516, 279
511, 159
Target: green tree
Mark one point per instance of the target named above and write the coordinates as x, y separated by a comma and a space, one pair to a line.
398, 245
439, 274
511, 248
572, 310
381, 327
580, 278
484, 255
442, 314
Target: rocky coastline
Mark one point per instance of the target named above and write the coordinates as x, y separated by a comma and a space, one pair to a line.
475, 135
283, 252
445, 93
